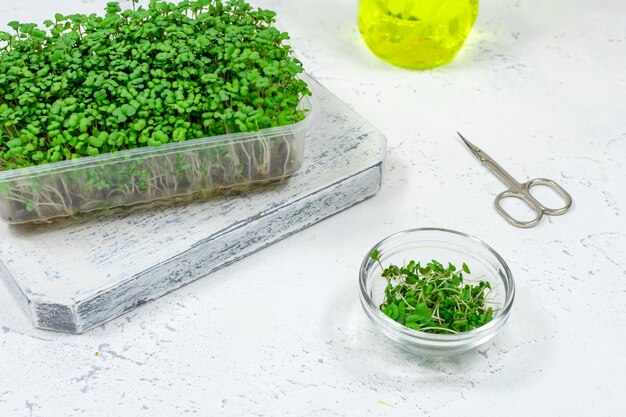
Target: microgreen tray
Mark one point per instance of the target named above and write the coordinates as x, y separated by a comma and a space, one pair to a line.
196, 168
93, 268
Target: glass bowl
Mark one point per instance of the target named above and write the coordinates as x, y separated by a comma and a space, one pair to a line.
444, 246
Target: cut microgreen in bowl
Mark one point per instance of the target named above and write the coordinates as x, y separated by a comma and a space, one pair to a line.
428, 307
434, 298
86, 87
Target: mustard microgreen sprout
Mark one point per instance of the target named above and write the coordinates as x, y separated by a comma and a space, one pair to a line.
88, 84
434, 298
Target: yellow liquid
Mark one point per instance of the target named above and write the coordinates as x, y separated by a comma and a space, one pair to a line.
416, 34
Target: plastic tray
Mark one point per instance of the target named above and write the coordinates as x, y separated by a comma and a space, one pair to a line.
198, 168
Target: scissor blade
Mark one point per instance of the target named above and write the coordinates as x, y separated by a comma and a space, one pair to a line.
492, 165
475, 149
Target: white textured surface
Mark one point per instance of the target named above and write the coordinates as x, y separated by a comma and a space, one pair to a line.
541, 86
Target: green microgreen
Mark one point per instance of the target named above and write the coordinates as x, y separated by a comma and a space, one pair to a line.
88, 84
434, 298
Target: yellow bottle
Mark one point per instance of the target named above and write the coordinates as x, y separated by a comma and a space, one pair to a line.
416, 34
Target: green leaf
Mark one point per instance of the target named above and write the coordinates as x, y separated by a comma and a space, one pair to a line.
100, 95
96, 142
91, 151
414, 326
27, 27
119, 114
14, 143
38, 33
422, 312
271, 70
128, 110
139, 124
159, 136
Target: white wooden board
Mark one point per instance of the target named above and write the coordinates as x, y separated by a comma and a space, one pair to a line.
76, 274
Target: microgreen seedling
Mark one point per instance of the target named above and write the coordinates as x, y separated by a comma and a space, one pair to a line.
434, 298
165, 73
88, 85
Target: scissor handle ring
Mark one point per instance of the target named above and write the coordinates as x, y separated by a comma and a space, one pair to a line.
556, 188
531, 202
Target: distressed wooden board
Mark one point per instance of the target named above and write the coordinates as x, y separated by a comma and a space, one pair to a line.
76, 274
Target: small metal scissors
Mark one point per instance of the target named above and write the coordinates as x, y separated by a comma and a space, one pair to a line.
520, 190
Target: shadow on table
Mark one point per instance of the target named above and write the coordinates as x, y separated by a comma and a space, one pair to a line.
374, 357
